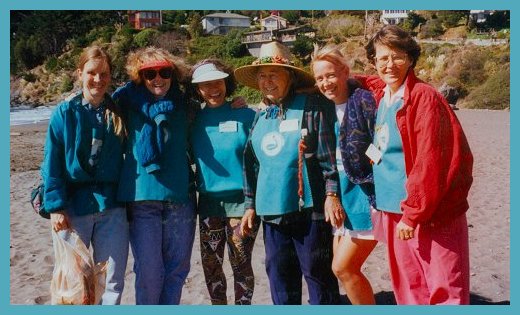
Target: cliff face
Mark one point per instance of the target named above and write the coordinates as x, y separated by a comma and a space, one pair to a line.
39, 86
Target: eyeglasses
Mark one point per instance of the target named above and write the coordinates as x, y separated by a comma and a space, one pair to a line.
150, 74
397, 60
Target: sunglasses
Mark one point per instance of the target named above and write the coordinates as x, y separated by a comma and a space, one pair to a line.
150, 74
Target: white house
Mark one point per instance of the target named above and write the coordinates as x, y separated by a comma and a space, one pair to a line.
480, 16
394, 16
222, 23
273, 22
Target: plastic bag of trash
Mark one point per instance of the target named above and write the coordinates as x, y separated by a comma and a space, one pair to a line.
75, 279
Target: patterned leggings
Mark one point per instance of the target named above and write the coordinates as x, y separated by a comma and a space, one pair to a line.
214, 233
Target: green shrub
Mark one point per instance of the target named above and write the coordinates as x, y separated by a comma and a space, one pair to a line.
101, 34
51, 64
252, 96
431, 29
492, 94
340, 27
302, 46
29, 77
145, 37
66, 85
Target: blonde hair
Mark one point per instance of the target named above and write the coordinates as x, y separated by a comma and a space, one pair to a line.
330, 53
141, 56
113, 112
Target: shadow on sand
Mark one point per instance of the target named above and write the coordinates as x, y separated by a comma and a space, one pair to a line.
387, 298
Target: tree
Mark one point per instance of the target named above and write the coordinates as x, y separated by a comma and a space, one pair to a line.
291, 16
145, 37
452, 18
302, 46
233, 46
412, 21
195, 26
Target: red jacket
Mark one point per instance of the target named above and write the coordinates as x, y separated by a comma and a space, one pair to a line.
437, 156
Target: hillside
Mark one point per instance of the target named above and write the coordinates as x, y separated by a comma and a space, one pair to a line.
42, 60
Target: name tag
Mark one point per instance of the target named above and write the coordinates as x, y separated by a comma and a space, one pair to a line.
228, 126
374, 154
289, 125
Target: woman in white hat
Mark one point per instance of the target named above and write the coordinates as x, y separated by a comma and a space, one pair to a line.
290, 173
218, 138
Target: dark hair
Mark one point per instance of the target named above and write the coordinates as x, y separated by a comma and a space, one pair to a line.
230, 80
394, 37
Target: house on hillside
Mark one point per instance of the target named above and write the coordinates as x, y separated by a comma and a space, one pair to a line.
480, 16
144, 19
393, 17
222, 23
273, 22
287, 36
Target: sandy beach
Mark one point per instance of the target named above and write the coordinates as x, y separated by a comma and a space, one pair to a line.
31, 255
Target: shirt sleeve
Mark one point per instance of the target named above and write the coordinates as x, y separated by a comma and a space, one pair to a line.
425, 184
250, 171
53, 167
319, 118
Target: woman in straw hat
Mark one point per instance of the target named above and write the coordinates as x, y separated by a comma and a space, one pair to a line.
290, 176
354, 124
218, 137
156, 175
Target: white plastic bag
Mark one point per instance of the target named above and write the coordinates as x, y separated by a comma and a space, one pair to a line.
75, 279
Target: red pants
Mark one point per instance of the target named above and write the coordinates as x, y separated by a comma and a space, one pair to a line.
431, 268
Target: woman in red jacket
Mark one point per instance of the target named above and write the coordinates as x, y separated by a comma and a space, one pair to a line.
422, 175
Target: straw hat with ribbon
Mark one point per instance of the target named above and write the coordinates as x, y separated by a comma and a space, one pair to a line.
273, 54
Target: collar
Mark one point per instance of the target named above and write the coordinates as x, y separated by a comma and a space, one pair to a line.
87, 104
389, 100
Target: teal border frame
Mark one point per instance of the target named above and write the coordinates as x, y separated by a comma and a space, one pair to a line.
7, 5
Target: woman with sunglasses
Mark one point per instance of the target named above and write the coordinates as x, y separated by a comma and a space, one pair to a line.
422, 175
155, 177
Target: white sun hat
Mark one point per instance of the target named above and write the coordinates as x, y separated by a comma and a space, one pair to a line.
207, 72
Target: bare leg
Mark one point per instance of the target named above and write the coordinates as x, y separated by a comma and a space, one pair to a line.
349, 256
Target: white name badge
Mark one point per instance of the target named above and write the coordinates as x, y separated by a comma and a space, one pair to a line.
228, 126
374, 154
289, 125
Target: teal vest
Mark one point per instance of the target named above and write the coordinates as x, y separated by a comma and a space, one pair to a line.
275, 144
390, 172
353, 198
218, 139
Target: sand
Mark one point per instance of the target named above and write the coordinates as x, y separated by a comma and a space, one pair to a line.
31, 255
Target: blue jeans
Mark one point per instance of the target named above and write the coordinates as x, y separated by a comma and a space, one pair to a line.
161, 236
302, 247
108, 233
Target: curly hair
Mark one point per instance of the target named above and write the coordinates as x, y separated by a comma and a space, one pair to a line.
396, 38
141, 56
230, 80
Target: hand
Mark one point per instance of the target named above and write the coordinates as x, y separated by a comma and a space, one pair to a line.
60, 221
238, 102
404, 231
334, 212
246, 225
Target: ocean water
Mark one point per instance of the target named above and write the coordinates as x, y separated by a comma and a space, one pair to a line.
23, 115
